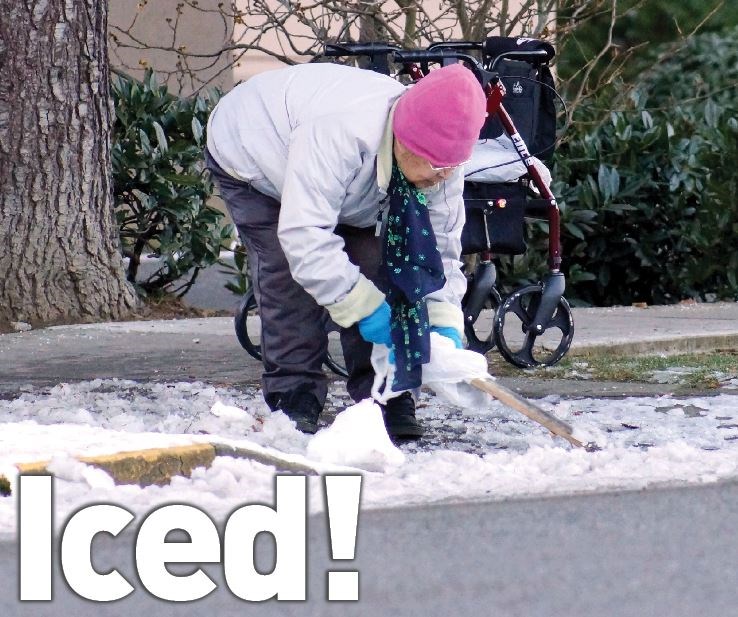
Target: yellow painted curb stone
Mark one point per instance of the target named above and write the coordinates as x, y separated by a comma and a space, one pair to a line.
142, 467
160, 465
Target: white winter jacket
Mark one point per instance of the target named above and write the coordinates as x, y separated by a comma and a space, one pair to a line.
318, 138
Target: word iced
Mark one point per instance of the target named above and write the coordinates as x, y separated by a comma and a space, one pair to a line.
286, 522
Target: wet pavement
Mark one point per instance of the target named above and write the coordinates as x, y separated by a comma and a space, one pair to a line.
667, 552
206, 349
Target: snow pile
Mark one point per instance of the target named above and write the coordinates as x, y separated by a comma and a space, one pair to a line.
483, 453
357, 438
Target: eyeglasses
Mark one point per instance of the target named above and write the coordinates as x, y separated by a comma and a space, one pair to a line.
450, 167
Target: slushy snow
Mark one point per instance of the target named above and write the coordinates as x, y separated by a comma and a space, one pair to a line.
490, 452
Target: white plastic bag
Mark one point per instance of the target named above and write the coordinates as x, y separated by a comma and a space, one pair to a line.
448, 373
496, 160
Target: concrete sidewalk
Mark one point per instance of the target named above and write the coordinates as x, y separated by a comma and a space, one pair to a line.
207, 349
672, 329
657, 329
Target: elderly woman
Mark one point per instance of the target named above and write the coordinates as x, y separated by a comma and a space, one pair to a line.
346, 190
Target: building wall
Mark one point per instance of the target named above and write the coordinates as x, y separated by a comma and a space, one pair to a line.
202, 31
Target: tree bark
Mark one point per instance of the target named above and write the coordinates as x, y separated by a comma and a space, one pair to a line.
59, 247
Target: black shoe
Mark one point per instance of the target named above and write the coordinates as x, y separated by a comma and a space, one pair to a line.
399, 417
301, 407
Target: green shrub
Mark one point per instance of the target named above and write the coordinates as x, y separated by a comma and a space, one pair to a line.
238, 271
160, 185
647, 185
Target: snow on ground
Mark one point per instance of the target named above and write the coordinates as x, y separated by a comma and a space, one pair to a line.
489, 453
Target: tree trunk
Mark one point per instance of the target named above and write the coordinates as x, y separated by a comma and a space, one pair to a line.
59, 246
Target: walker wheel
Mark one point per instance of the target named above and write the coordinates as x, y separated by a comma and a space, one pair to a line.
518, 343
480, 334
249, 335
248, 340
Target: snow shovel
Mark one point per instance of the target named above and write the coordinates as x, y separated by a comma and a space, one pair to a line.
528, 409
453, 365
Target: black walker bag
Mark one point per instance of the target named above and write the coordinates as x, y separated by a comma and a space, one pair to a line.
530, 98
495, 218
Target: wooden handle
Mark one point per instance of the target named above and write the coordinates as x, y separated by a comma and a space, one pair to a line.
528, 409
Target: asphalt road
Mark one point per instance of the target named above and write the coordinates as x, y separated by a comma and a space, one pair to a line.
670, 552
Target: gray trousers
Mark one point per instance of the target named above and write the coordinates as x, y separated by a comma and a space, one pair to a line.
293, 325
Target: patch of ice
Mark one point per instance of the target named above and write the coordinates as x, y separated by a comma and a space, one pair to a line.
490, 453
672, 375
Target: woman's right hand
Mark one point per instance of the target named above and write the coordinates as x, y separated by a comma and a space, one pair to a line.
375, 328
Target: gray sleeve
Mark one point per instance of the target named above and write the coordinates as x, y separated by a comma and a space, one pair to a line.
322, 159
446, 206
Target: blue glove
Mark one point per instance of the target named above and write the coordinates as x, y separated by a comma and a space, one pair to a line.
450, 333
375, 328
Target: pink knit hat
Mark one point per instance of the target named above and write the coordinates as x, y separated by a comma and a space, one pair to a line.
440, 117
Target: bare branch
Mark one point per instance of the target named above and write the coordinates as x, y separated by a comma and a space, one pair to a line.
292, 31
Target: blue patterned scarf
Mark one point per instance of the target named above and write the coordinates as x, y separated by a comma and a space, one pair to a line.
414, 269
